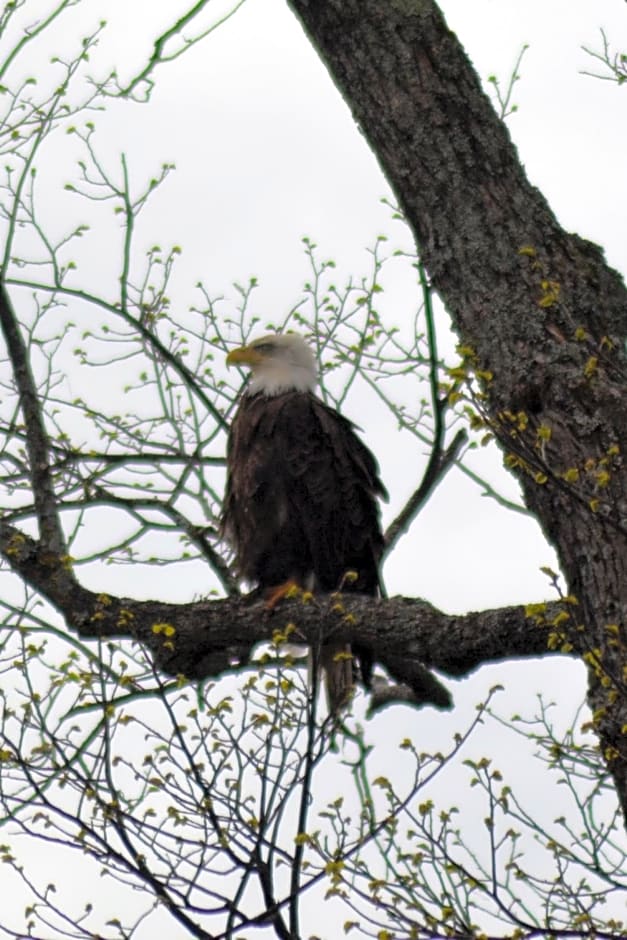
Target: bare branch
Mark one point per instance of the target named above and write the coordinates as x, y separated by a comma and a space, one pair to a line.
30, 33
438, 466
615, 63
206, 638
504, 98
438, 463
50, 529
159, 55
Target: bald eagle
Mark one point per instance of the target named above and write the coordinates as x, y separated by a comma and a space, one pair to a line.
301, 504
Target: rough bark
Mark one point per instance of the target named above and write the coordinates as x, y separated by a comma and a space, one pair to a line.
543, 313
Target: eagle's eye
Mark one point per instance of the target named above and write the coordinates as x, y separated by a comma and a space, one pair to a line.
264, 347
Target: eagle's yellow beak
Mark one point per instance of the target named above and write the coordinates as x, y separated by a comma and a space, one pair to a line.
243, 356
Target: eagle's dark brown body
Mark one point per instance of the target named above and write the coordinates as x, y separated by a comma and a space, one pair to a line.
301, 496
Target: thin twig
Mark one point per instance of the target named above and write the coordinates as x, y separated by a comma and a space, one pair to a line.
158, 54
436, 469
174, 361
439, 462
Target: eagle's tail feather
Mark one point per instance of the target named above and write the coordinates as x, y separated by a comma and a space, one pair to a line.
336, 661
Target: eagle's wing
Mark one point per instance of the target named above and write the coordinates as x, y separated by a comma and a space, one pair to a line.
301, 504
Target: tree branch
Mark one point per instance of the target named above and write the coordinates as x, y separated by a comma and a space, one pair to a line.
438, 466
439, 461
175, 362
159, 55
207, 638
50, 530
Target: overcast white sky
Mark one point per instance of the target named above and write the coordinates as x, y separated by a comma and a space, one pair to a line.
266, 152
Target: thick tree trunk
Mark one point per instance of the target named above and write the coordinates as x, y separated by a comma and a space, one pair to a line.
543, 314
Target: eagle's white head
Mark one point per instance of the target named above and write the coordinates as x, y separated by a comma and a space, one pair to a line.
279, 362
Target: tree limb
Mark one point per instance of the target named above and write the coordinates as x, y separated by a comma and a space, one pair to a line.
208, 638
439, 461
437, 468
36, 438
